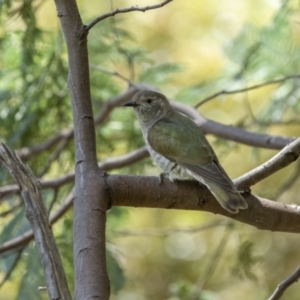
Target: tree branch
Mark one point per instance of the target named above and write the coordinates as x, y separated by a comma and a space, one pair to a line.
106, 165
54, 156
281, 288
213, 262
253, 87
135, 191
27, 152
126, 10
90, 203
36, 213
282, 159
168, 231
112, 73
26, 237
233, 133
289, 182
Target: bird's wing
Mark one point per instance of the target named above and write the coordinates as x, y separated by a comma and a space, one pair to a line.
211, 172
179, 139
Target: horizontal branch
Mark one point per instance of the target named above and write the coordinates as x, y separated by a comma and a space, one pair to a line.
27, 152
126, 10
106, 165
116, 101
23, 239
135, 191
233, 133
167, 231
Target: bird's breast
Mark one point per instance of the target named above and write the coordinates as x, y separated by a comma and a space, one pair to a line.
174, 170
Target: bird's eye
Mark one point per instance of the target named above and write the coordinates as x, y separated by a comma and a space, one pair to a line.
149, 100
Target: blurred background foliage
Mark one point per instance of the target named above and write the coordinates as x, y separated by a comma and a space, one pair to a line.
189, 50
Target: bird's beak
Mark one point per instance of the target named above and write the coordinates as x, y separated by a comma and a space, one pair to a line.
131, 103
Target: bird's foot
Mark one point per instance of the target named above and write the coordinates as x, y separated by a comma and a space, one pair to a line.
245, 191
161, 177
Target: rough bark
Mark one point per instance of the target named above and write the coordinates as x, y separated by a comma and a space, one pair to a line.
37, 215
145, 191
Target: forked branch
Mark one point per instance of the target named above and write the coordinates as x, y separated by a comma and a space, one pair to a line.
126, 10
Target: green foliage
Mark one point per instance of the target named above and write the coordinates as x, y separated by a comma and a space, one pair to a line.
261, 54
16, 225
246, 260
159, 75
185, 290
181, 290
115, 272
257, 53
32, 277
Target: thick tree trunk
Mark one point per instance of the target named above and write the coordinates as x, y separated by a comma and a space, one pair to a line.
90, 202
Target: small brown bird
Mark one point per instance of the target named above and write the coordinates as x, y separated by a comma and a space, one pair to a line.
180, 148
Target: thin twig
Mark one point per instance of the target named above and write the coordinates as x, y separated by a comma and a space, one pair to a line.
54, 156
12, 209
282, 159
167, 231
26, 152
113, 73
106, 165
253, 87
214, 259
281, 288
26, 237
277, 123
129, 56
289, 183
12, 267
54, 199
126, 10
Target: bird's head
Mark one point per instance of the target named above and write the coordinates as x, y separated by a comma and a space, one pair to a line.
149, 106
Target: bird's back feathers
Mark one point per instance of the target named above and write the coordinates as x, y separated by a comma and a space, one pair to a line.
180, 140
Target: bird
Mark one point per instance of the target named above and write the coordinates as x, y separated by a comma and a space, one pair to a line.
179, 147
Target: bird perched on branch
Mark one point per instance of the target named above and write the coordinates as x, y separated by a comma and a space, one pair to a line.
180, 148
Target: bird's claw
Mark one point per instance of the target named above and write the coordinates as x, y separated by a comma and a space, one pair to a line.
161, 177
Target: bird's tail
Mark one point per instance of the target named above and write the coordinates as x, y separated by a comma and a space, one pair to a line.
230, 200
